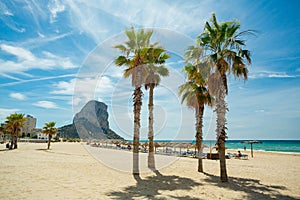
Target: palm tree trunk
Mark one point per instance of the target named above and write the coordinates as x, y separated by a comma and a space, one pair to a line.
12, 142
199, 135
151, 159
49, 140
137, 104
221, 109
16, 139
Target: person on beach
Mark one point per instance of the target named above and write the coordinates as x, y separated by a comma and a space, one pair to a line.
239, 154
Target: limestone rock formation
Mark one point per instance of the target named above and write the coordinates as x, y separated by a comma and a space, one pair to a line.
90, 123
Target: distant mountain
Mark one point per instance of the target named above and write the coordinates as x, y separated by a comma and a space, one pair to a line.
90, 123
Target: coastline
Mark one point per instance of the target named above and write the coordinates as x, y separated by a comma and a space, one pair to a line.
281, 146
263, 151
69, 171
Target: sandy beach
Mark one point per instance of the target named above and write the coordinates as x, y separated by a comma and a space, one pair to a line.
70, 171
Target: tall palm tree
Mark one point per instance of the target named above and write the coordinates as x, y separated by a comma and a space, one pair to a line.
156, 57
134, 58
195, 93
50, 130
14, 124
224, 46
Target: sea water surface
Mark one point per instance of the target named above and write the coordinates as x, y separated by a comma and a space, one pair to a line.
282, 146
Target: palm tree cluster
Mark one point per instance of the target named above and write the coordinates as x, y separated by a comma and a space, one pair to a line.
145, 66
14, 124
218, 52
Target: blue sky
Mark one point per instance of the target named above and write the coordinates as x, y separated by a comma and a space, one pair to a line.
56, 55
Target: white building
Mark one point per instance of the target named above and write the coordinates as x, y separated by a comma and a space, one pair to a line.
29, 125
44, 136
36, 131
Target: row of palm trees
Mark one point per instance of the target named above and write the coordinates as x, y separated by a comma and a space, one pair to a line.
14, 124
218, 52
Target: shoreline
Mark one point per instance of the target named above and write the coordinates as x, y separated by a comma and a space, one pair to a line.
29, 171
185, 141
264, 151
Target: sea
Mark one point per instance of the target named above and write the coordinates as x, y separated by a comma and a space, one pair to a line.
280, 146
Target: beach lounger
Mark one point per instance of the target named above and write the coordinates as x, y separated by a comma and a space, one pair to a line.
242, 157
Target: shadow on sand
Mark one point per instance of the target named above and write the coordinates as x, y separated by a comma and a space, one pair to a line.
5, 149
43, 149
152, 187
252, 188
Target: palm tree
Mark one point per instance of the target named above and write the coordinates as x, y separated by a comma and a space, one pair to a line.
14, 124
134, 58
156, 57
50, 130
224, 44
195, 93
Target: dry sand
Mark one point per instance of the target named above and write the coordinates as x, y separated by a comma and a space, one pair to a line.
69, 171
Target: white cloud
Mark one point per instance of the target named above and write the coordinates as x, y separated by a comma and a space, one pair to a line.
260, 111
281, 75
34, 79
20, 53
45, 104
55, 7
95, 17
8, 13
4, 10
41, 39
18, 96
85, 89
64, 87
41, 35
26, 60
270, 74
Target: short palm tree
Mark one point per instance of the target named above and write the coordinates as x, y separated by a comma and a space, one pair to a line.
14, 124
195, 93
224, 44
50, 130
134, 58
156, 57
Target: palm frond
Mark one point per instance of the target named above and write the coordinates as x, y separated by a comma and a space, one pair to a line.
122, 48
122, 60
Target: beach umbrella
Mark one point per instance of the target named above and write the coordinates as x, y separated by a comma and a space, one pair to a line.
163, 144
166, 145
181, 145
251, 144
116, 142
156, 145
195, 146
